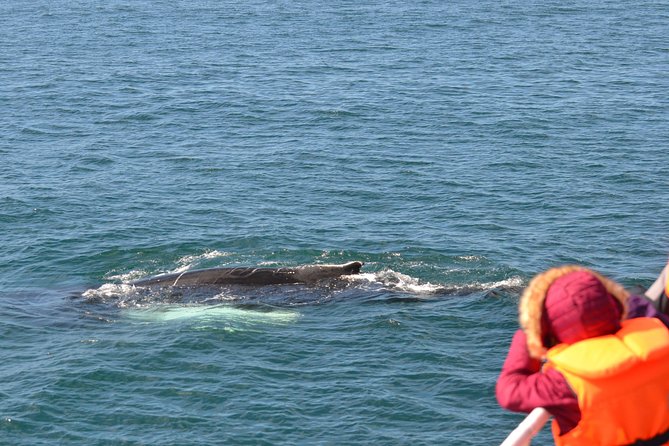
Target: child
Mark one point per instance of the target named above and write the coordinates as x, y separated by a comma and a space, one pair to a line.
605, 378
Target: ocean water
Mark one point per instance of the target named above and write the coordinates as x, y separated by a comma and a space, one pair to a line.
457, 148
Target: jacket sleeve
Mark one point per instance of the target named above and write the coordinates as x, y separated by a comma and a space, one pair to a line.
639, 306
522, 386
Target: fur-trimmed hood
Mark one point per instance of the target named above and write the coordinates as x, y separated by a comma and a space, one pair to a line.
532, 309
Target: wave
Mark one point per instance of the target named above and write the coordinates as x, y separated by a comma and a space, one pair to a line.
397, 281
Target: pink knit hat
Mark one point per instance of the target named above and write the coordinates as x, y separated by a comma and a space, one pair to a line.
578, 306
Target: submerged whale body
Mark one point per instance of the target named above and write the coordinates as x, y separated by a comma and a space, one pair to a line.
251, 276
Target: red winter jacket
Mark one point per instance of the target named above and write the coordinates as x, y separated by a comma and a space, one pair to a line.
522, 386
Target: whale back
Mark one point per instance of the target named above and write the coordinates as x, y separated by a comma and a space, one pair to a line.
252, 275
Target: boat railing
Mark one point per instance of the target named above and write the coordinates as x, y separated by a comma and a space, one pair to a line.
532, 424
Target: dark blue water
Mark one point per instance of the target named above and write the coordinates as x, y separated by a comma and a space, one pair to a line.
457, 148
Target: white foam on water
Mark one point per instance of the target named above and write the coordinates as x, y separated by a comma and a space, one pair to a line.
108, 291
187, 262
510, 282
471, 258
405, 283
396, 281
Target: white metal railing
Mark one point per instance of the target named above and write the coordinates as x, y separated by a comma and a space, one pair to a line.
533, 423
656, 289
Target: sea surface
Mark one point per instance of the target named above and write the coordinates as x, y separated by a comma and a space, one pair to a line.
455, 147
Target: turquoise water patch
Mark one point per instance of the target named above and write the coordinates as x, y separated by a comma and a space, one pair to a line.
211, 314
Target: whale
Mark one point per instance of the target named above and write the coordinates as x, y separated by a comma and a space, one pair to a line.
255, 276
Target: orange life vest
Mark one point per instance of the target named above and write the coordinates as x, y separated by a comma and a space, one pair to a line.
622, 384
